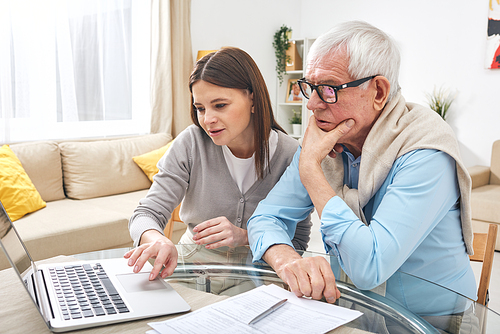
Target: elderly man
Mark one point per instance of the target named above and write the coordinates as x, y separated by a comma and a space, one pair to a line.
384, 175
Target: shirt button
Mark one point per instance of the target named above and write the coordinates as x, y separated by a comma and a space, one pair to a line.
354, 165
239, 220
241, 200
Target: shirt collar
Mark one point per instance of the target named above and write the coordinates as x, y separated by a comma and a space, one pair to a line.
349, 155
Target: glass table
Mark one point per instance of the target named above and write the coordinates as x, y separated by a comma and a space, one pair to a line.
226, 271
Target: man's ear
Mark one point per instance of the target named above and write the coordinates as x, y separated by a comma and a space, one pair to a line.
383, 87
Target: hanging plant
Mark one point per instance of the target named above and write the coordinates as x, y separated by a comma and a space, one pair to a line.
280, 44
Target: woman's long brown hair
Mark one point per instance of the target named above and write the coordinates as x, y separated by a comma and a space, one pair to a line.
234, 68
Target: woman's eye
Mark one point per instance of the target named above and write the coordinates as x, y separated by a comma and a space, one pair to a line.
220, 105
200, 110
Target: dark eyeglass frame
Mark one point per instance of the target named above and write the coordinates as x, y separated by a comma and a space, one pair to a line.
354, 83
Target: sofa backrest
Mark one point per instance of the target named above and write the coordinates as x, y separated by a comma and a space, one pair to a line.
87, 169
42, 162
495, 163
105, 167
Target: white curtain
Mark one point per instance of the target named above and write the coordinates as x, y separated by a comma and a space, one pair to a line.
64, 63
171, 65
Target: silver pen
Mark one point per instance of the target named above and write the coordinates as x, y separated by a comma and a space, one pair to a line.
268, 311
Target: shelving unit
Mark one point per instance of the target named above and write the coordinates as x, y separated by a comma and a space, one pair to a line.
283, 110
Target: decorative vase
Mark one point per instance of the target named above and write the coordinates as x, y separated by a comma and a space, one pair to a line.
296, 129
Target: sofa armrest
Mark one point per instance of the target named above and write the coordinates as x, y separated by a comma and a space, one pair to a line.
480, 175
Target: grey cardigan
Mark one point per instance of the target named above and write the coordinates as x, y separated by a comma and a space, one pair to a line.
195, 172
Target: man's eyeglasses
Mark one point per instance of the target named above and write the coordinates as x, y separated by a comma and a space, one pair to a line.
327, 93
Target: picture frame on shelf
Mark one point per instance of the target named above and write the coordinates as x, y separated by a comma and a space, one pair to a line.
293, 58
293, 93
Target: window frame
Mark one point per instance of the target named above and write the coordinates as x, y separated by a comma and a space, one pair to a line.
43, 125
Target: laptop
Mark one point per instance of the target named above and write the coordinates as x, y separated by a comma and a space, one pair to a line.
83, 294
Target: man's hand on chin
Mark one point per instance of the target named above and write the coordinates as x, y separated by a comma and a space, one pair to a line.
318, 143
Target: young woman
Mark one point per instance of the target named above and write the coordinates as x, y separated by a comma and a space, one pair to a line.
220, 168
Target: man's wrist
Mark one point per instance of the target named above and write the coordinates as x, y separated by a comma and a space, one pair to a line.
309, 172
279, 255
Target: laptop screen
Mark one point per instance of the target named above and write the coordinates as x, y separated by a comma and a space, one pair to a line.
12, 245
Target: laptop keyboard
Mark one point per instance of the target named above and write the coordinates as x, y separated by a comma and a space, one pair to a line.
85, 291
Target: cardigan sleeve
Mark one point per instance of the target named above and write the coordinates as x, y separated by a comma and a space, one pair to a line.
302, 234
167, 190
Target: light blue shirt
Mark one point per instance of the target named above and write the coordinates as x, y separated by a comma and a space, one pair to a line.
414, 227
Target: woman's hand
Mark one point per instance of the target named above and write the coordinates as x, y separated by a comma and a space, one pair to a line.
154, 245
219, 232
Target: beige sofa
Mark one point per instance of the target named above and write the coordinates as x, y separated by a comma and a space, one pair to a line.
485, 199
91, 189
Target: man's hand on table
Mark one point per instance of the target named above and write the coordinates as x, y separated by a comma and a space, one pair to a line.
218, 232
310, 276
154, 245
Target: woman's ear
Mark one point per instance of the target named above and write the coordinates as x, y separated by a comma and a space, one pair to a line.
383, 87
251, 99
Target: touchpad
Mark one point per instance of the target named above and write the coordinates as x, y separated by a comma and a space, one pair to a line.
140, 282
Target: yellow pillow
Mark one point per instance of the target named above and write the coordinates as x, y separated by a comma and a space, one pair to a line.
17, 193
148, 161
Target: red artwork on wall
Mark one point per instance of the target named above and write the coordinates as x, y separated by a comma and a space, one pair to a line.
493, 41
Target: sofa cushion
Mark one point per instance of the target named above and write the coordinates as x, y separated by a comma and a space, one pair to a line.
17, 193
149, 161
101, 168
42, 163
484, 203
68, 226
495, 163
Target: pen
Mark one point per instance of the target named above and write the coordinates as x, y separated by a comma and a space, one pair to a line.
268, 311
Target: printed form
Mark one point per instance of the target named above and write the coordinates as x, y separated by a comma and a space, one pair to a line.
297, 315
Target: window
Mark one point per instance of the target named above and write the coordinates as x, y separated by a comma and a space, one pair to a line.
74, 68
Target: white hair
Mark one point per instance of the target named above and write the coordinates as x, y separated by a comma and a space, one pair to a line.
370, 51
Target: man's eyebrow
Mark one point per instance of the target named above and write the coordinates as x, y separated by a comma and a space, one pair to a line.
330, 82
325, 82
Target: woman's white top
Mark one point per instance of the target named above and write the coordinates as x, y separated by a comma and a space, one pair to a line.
243, 170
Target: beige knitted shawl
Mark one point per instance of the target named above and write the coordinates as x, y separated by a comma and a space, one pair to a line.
402, 127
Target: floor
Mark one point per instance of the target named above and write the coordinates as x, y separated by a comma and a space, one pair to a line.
316, 245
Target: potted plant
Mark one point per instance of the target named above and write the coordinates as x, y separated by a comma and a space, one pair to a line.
296, 122
440, 101
280, 44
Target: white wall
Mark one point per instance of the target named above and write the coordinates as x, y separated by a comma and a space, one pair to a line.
249, 25
442, 44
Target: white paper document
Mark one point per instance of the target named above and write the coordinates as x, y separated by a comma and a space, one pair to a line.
297, 315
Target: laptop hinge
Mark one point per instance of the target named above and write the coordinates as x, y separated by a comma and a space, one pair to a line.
42, 296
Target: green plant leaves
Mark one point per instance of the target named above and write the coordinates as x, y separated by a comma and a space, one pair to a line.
280, 44
440, 101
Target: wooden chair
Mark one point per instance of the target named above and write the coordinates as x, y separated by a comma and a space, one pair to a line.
169, 229
484, 250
